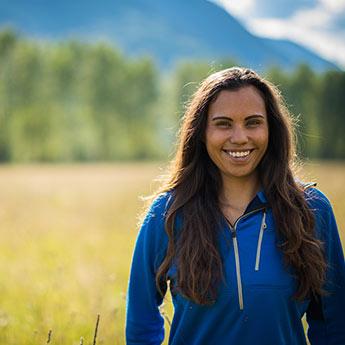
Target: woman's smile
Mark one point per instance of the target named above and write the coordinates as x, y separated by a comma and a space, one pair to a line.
238, 156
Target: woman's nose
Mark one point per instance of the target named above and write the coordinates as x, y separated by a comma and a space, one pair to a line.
238, 136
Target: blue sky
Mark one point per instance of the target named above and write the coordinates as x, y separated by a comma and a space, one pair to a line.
317, 24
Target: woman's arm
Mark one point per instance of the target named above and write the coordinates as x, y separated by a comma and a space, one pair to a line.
144, 323
326, 314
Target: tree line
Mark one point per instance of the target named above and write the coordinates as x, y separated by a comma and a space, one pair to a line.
76, 101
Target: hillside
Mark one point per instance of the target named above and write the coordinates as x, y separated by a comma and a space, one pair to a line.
167, 30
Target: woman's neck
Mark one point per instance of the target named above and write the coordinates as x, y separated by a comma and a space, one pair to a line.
237, 193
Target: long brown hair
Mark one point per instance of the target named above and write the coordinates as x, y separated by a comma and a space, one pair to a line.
196, 183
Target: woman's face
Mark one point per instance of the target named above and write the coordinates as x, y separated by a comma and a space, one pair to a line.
237, 132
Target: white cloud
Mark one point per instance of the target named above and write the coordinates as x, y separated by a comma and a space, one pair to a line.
238, 8
312, 27
324, 43
333, 5
316, 17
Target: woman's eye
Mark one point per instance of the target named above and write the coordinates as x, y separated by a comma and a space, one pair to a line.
253, 123
223, 124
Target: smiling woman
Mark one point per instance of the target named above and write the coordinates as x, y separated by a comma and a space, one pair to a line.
236, 233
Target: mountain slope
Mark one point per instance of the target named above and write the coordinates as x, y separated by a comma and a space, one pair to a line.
168, 30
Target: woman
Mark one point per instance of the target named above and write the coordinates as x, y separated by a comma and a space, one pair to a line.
248, 249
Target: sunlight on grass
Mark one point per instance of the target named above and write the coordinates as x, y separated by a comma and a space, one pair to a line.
67, 239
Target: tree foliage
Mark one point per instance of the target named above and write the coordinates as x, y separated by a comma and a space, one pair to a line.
73, 101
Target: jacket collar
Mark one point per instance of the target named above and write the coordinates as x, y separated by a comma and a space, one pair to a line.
259, 201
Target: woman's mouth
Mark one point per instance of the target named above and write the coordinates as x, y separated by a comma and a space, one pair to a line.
238, 154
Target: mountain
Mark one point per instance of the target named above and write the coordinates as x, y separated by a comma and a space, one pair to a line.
167, 30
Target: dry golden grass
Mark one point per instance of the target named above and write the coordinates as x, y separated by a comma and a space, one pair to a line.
67, 235
330, 178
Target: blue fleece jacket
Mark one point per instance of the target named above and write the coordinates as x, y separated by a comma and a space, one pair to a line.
254, 304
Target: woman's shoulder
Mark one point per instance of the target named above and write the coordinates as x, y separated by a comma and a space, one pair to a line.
151, 223
161, 202
320, 205
158, 206
316, 199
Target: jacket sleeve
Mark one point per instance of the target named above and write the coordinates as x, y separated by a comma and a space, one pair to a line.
144, 323
326, 314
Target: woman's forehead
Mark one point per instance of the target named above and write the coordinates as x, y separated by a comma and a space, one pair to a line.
240, 102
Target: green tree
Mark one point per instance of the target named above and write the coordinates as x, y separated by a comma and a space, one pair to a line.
331, 113
188, 77
8, 41
303, 97
104, 91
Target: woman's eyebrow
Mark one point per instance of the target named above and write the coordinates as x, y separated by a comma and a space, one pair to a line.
254, 116
223, 117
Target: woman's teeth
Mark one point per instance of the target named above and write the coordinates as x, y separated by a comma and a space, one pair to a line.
238, 153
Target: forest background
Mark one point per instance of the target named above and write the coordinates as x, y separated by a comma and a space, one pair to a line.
72, 101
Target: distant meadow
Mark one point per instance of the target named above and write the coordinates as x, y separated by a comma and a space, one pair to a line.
85, 132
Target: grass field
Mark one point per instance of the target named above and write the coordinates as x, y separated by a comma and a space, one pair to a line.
67, 235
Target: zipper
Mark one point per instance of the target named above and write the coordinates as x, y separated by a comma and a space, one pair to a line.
238, 270
258, 251
237, 256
